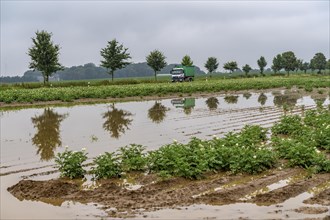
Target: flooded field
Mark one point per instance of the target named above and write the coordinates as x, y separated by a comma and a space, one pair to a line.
30, 138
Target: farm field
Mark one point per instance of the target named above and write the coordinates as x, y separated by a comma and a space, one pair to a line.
19, 95
28, 170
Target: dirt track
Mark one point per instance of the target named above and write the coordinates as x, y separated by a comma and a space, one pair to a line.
119, 199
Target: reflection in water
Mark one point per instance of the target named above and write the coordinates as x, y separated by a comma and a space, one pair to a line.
319, 98
262, 99
47, 137
231, 99
286, 99
212, 103
247, 95
187, 104
157, 112
116, 121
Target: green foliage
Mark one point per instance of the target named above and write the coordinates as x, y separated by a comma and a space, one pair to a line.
44, 55
288, 125
304, 67
134, 89
132, 158
277, 63
156, 60
289, 61
115, 57
186, 61
319, 62
211, 64
262, 64
246, 68
304, 138
107, 166
70, 163
231, 66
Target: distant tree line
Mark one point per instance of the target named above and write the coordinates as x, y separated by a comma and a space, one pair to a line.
44, 62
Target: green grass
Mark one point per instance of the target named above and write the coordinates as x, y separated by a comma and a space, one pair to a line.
69, 93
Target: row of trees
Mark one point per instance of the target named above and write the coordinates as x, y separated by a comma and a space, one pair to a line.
44, 58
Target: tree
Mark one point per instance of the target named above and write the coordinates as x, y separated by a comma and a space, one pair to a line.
231, 66
289, 61
319, 62
211, 65
304, 67
44, 55
262, 64
115, 57
328, 65
156, 60
186, 61
246, 68
299, 64
277, 63
47, 137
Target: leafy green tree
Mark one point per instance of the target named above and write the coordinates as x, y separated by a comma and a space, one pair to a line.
44, 55
299, 64
289, 61
231, 66
211, 65
115, 57
319, 62
186, 61
246, 68
262, 64
328, 65
156, 60
304, 67
277, 63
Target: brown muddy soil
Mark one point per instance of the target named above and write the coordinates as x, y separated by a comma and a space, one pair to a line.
322, 198
311, 210
144, 193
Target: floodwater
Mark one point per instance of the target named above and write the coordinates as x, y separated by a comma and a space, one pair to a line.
30, 138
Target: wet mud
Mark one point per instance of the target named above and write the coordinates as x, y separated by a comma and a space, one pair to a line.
119, 199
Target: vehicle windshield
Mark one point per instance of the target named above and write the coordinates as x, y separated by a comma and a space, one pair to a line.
177, 72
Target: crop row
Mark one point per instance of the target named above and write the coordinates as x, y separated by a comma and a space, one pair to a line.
300, 141
120, 91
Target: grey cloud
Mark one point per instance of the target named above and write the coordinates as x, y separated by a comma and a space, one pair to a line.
238, 30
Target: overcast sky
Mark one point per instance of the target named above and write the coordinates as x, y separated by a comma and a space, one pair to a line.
228, 30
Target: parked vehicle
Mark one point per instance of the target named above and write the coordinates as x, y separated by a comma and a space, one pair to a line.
183, 73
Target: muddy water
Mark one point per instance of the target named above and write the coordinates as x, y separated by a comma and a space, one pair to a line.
31, 137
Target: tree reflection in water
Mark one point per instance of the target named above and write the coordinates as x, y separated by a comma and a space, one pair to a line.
287, 99
157, 112
262, 99
117, 121
212, 103
231, 99
47, 137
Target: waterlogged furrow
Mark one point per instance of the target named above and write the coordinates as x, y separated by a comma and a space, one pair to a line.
234, 191
281, 194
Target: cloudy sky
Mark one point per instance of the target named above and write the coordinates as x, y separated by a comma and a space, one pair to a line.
229, 30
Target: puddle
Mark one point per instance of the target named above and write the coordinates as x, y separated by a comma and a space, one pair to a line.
30, 138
